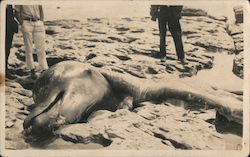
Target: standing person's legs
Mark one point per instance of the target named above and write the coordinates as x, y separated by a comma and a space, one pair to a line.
175, 29
39, 41
8, 43
27, 29
162, 29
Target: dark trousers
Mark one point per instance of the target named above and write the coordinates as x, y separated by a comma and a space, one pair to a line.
175, 30
8, 44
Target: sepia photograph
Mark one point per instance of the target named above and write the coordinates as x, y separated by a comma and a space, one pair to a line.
124, 78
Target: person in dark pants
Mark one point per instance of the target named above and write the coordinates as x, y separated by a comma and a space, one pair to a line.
11, 28
169, 15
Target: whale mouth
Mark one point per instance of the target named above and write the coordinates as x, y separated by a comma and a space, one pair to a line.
58, 98
44, 122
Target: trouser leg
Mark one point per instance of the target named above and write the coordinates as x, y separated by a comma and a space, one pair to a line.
162, 29
175, 29
27, 30
39, 41
8, 43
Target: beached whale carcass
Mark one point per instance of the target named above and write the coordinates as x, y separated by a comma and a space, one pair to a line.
70, 91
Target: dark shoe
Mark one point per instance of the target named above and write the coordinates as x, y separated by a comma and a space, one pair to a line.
183, 61
33, 74
40, 72
163, 59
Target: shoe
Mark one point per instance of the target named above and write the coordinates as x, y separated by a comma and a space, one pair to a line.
163, 59
41, 71
183, 61
33, 74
